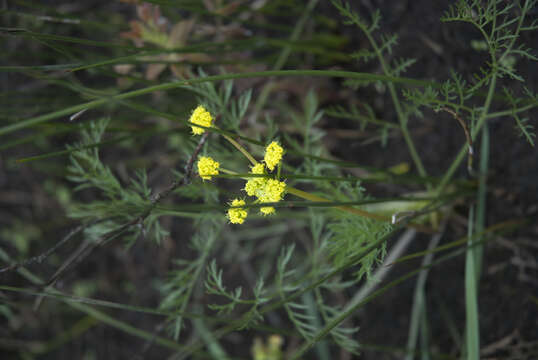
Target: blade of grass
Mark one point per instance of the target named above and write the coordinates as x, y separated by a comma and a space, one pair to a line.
424, 331
472, 337
450, 322
417, 309
213, 346
481, 196
345, 314
234, 325
100, 316
172, 85
379, 275
496, 228
473, 259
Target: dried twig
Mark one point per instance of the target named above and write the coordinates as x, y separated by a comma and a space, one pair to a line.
40, 258
84, 251
87, 247
467, 136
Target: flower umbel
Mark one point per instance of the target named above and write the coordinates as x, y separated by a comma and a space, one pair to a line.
255, 183
207, 167
267, 210
237, 215
200, 116
273, 155
271, 191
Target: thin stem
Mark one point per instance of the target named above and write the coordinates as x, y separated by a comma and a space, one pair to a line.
283, 57
481, 120
483, 117
241, 149
401, 115
510, 112
312, 197
177, 84
516, 33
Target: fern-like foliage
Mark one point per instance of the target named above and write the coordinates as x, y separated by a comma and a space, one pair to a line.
321, 266
297, 312
382, 44
120, 204
231, 298
351, 235
182, 282
220, 100
522, 124
501, 23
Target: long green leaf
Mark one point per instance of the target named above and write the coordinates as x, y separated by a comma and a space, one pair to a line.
173, 85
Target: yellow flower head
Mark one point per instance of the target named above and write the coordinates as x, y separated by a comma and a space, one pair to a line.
272, 191
200, 116
267, 210
255, 183
266, 190
257, 169
273, 155
237, 215
207, 167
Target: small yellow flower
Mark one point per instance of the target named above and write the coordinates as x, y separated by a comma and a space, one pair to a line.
273, 155
237, 215
200, 116
258, 168
255, 183
272, 191
267, 210
207, 167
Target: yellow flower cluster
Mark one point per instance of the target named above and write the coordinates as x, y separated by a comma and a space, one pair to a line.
207, 167
255, 183
237, 215
200, 116
270, 351
266, 190
273, 155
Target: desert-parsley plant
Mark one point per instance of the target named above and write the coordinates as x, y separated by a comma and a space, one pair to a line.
248, 171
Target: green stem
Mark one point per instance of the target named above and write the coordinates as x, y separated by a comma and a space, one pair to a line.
241, 149
510, 112
312, 197
474, 131
401, 115
351, 210
177, 84
283, 57
481, 120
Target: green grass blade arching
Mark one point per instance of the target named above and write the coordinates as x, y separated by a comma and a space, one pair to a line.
172, 85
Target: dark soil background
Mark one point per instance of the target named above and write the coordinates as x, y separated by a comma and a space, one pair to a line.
508, 313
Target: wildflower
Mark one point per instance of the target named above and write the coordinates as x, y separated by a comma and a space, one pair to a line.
207, 167
255, 183
267, 210
273, 155
266, 190
271, 191
237, 215
200, 116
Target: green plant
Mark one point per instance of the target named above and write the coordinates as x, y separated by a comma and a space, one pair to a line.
282, 245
